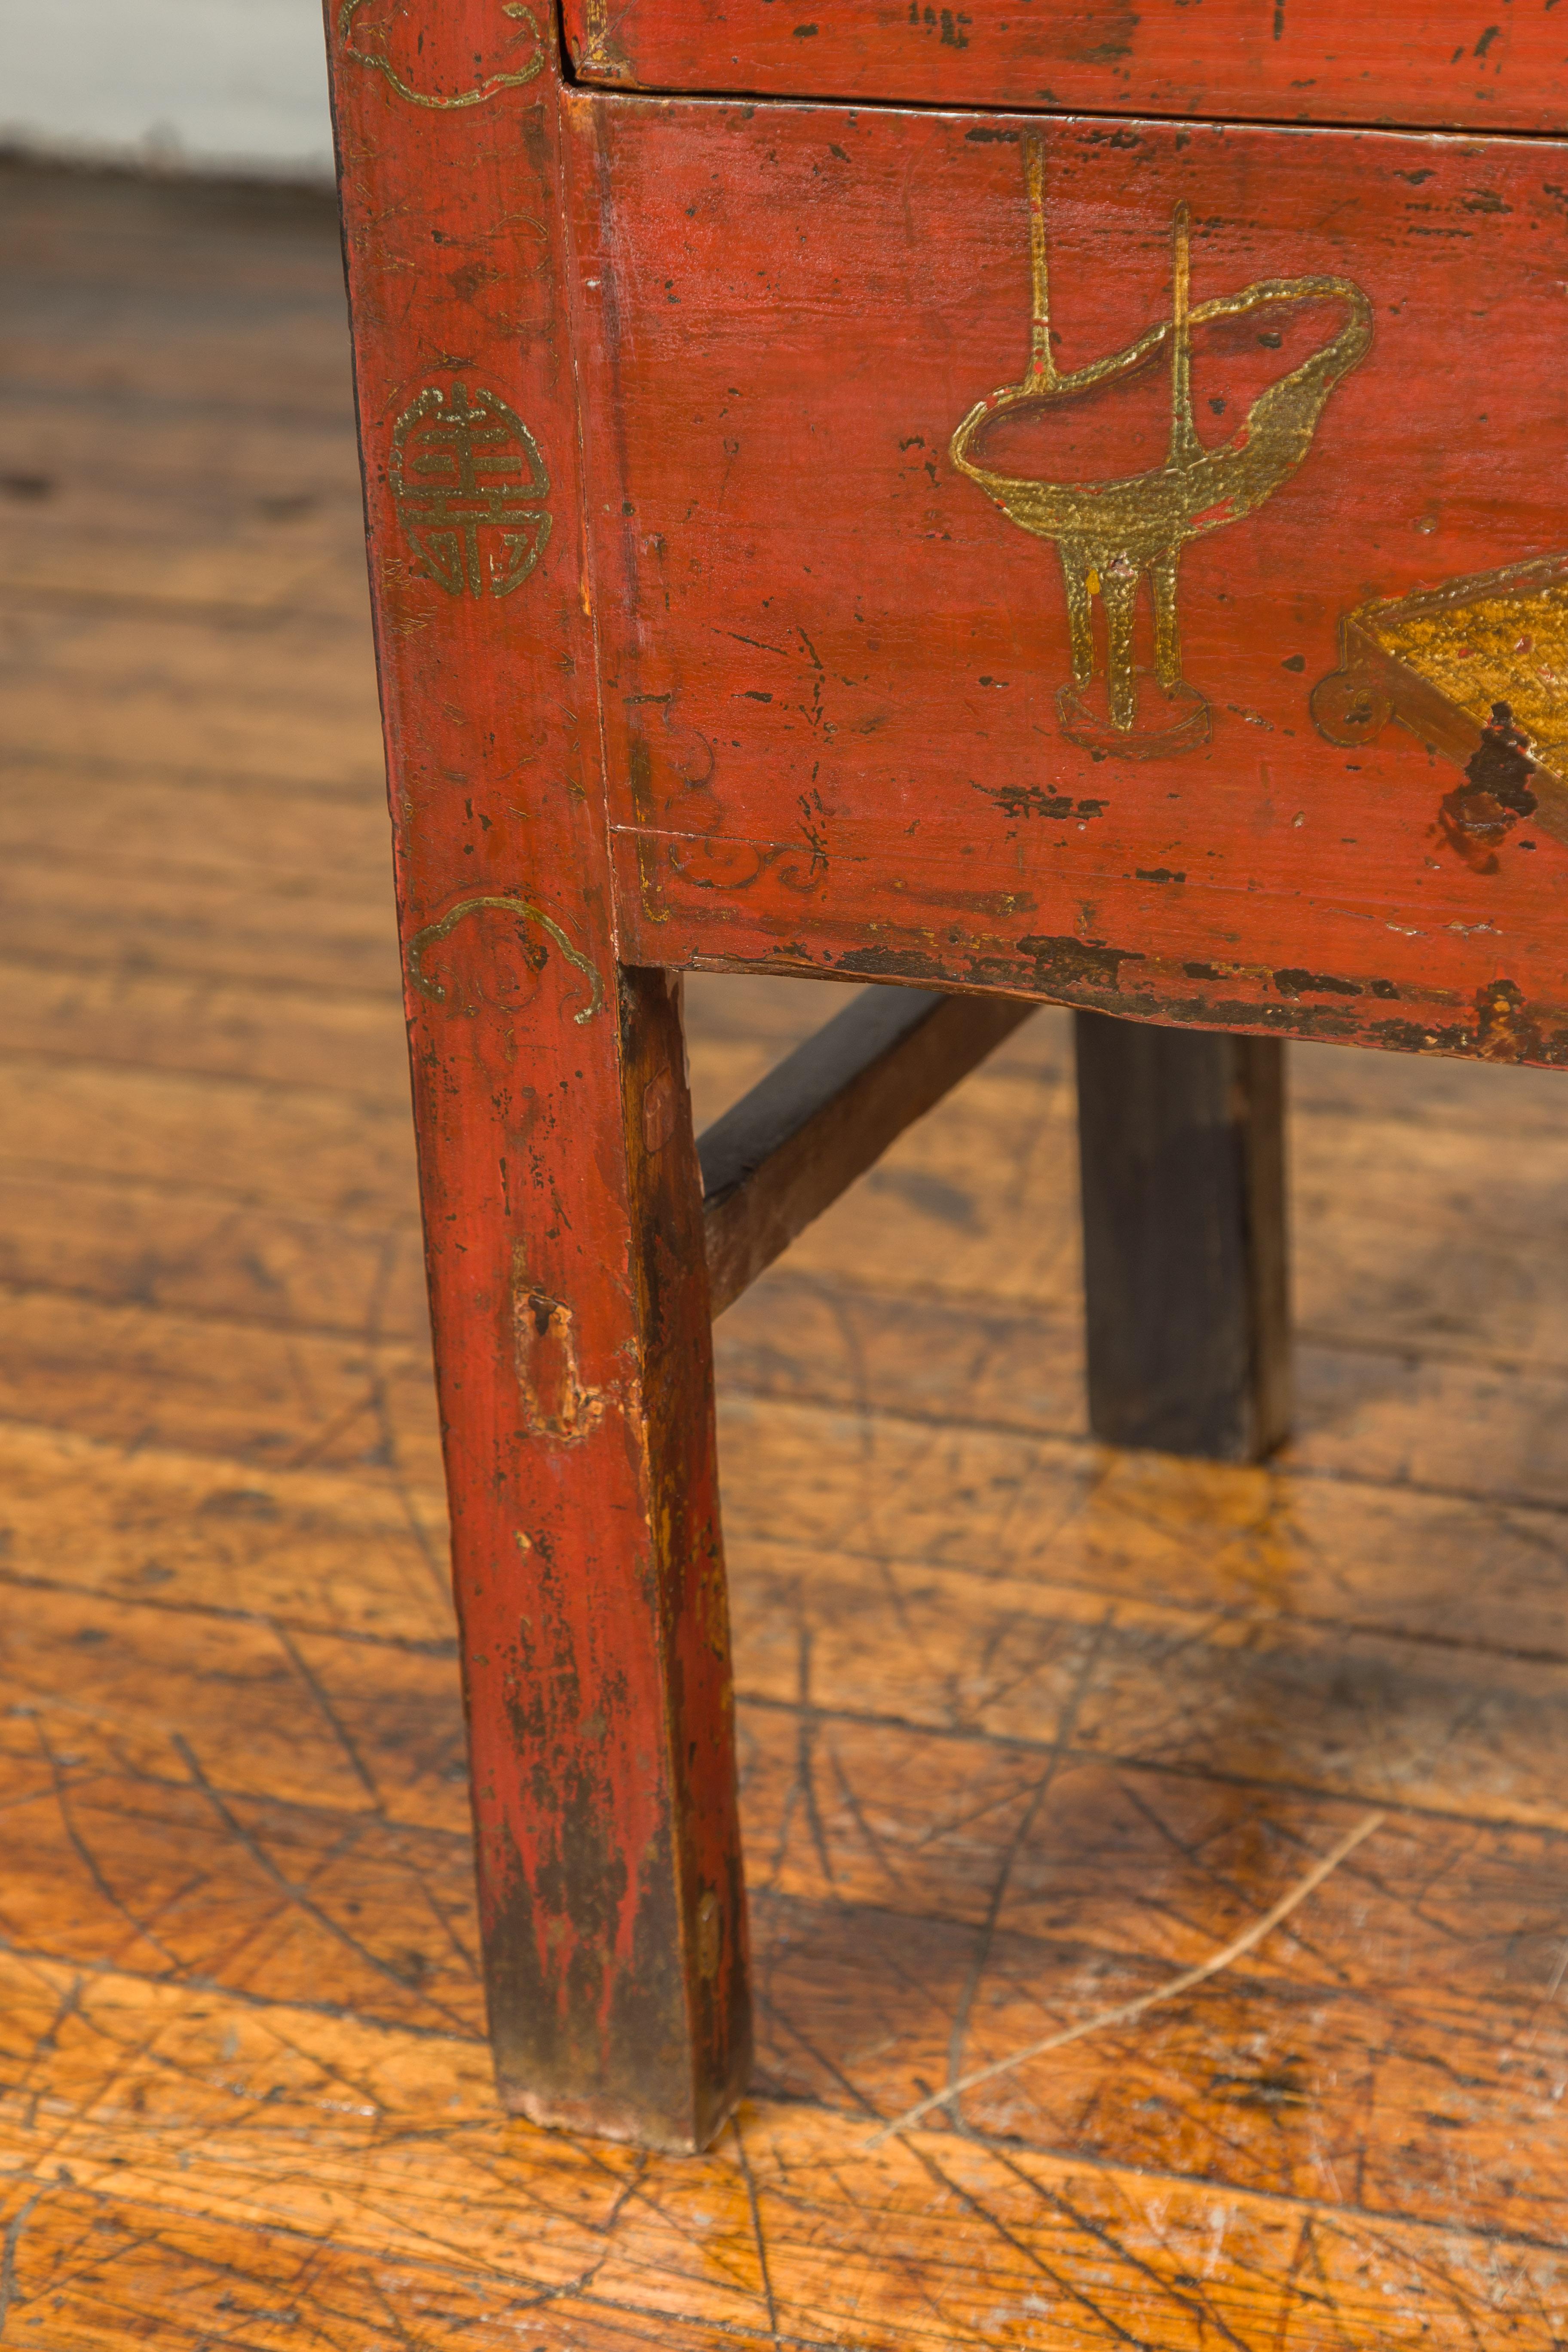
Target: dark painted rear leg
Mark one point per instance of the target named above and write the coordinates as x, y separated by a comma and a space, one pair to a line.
1181, 1144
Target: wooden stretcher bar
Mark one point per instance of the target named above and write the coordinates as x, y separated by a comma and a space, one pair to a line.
827, 1112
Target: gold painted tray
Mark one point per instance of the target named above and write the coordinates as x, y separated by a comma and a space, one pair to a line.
1478, 670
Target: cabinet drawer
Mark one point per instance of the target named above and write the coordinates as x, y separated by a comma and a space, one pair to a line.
893, 420
1497, 64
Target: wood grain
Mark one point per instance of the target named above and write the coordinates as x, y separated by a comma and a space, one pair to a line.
245, 2095
779, 2233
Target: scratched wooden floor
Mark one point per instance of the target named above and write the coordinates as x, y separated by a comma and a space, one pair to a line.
1027, 1727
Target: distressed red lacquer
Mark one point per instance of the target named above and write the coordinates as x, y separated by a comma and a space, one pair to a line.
562, 1211
1499, 65
833, 666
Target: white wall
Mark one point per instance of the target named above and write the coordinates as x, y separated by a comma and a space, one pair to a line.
226, 85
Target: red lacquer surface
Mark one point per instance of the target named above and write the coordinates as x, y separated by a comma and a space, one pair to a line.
831, 661
1499, 65
568, 1296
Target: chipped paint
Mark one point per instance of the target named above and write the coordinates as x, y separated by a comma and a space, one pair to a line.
555, 1401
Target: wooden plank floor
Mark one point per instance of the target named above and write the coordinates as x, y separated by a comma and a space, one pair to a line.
1027, 1727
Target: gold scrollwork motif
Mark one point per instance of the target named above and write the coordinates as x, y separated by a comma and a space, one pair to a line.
434, 933
1110, 534
379, 61
466, 481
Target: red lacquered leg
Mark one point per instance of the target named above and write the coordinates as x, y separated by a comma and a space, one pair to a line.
560, 1190
574, 1365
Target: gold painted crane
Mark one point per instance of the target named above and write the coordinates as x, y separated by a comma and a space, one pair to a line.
1108, 534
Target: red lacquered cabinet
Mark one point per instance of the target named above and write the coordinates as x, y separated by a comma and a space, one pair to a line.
1019, 502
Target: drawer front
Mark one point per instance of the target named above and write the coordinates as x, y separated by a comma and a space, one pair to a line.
1499, 66
1087, 560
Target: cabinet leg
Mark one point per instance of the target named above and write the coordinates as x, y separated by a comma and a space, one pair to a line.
562, 1206
1181, 1145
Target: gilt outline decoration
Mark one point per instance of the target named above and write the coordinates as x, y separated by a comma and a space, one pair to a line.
1110, 534
525, 911
380, 63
